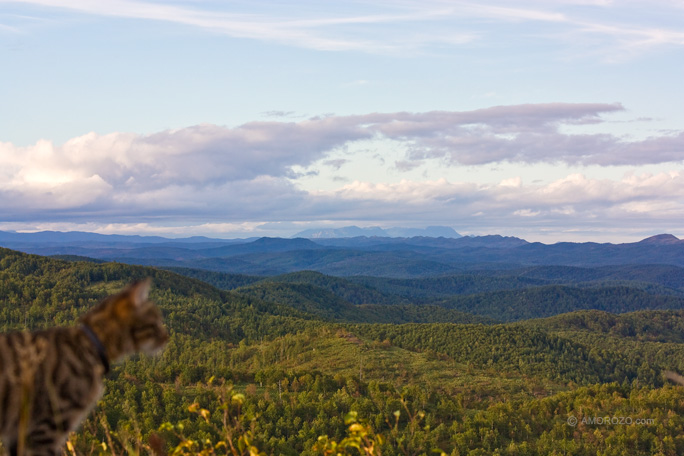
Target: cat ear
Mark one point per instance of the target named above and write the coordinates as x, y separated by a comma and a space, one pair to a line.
132, 298
140, 291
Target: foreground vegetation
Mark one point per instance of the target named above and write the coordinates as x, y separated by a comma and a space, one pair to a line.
244, 373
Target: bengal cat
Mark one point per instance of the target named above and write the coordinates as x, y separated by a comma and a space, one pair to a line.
51, 379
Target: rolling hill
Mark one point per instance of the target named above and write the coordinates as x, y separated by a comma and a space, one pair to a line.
300, 351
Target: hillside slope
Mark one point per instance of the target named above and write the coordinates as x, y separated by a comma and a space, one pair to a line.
461, 388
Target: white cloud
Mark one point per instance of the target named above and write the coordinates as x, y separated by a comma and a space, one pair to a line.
209, 153
526, 213
570, 201
515, 182
404, 192
208, 174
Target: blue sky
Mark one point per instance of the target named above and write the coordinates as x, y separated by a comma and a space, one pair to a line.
548, 120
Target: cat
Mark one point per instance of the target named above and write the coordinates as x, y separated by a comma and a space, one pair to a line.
51, 379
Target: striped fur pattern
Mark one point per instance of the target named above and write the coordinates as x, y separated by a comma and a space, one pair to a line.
50, 380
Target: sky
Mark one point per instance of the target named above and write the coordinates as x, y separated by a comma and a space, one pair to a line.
550, 120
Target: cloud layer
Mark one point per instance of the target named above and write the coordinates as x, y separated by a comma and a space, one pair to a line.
245, 174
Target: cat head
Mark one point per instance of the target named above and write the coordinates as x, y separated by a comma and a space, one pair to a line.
128, 322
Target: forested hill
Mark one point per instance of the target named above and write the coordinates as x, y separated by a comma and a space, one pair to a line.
296, 358
505, 295
38, 291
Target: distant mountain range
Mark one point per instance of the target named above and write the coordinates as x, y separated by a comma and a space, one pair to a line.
380, 256
79, 237
376, 231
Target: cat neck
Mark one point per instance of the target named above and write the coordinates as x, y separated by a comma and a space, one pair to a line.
97, 343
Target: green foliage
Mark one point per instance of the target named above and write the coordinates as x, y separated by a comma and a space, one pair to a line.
327, 305
234, 430
665, 276
652, 326
551, 300
506, 295
345, 289
601, 419
511, 349
442, 287
221, 280
292, 378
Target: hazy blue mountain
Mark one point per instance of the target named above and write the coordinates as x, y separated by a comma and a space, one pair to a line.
662, 239
436, 243
660, 249
345, 232
261, 245
336, 262
430, 231
381, 256
78, 237
376, 231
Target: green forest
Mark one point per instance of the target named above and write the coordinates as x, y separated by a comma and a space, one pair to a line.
536, 361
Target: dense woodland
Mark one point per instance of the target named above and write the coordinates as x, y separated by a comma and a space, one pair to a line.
460, 364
